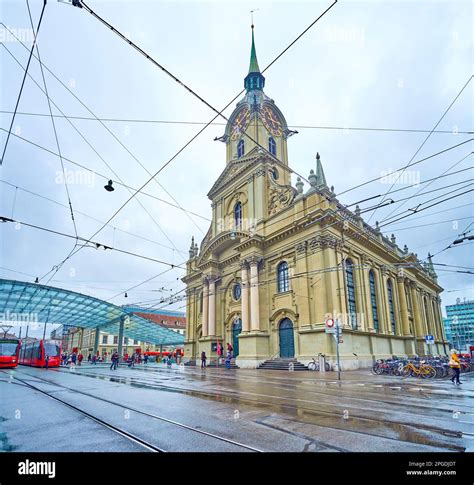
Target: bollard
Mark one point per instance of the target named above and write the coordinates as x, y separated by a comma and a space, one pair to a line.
322, 363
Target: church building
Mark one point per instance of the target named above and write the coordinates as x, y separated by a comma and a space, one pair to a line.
278, 262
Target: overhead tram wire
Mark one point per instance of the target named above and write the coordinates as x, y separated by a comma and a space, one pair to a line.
290, 125
87, 242
422, 190
23, 81
82, 4
105, 177
207, 219
198, 133
97, 153
425, 140
52, 120
87, 215
107, 128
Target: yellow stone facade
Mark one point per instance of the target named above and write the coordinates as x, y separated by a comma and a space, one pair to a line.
260, 221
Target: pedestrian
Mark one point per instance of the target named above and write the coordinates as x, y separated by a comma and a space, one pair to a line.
73, 361
145, 359
64, 358
80, 358
228, 360
115, 358
94, 360
203, 359
46, 362
455, 364
89, 358
230, 348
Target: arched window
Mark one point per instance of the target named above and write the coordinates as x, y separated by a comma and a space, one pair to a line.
272, 147
373, 300
282, 278
391, 308
240, 148
351, 301
238, 215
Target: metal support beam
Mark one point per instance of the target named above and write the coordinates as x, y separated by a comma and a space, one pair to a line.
96, 340
120, 337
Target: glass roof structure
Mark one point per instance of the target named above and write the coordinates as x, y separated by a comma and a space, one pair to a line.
33, 302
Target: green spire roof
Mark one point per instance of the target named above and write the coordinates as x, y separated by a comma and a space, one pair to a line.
254, 79
253, 57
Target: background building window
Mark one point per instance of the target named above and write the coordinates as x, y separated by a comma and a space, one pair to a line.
373, 299
390, 306
351, 301
272, 148
240, 149
282, 277
104, 339
125, 340
238, 214
115, 339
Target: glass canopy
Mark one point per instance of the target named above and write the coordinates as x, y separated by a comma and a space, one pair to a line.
21, 301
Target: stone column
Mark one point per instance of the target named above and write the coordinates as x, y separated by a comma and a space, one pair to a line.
416, 311
212, 306
245, 297
205, 308
368, 324
402, 298
254, 296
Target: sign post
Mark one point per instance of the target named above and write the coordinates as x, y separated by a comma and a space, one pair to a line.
338, 333
429, 339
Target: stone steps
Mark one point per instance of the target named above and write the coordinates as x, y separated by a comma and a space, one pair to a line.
282, 364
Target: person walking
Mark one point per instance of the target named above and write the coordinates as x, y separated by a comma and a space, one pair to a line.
80, 358
89, 358
455, 364
145, 359
94, 360
46, 362
230, 349
203, 359
115, 357
73, 361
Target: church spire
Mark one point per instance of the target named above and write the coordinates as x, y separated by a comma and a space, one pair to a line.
254, 79
320, 178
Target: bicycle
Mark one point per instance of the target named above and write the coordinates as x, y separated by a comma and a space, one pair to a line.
423, 370
314, 365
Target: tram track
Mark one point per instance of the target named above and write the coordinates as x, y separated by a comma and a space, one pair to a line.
131, 437
415, 430
130, 408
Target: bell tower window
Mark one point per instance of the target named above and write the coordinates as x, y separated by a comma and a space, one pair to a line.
240, 148
272, 148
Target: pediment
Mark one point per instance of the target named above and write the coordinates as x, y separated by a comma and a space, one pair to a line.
234, 169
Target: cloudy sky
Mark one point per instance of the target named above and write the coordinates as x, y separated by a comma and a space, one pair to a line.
372, 64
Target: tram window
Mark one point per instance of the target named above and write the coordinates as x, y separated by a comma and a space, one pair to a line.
37, 350
51, 349
8, 349
29, 351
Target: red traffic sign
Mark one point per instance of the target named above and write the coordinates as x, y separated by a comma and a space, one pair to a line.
329, 323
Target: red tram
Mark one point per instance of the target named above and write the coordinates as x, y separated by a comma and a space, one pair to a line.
35, 353
9, 352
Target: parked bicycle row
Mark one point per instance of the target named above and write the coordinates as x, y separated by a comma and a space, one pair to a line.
427, 367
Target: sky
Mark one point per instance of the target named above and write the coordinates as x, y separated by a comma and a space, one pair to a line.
371, 64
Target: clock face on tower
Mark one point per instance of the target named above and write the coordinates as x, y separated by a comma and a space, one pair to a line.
240, 123
271, 121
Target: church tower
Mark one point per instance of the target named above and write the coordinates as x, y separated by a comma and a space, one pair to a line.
257, 122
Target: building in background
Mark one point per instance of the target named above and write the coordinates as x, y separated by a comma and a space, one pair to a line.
459, 324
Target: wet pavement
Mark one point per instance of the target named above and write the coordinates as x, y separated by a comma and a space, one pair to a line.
193, 409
